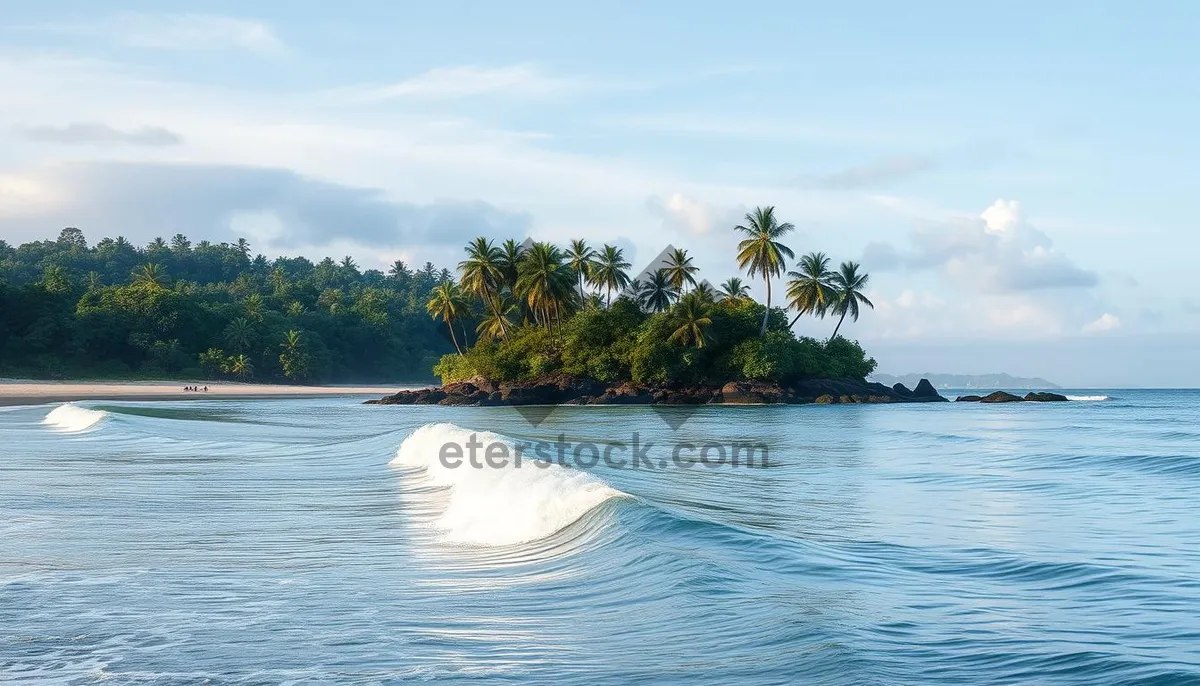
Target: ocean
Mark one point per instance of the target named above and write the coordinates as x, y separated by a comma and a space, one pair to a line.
325, 541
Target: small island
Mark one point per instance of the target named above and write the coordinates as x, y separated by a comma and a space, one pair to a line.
555, 326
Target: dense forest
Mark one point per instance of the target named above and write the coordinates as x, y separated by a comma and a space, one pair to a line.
172, 309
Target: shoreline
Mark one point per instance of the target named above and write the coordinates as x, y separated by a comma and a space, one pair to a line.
13, 392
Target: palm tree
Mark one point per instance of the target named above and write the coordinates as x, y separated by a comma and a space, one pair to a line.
761, 252
658, 293
610, 271
691, 319
546, 283
253, 306
495, 324
705, 292
811, 290
511, 255
150, 275
581, 259
849, 284
293, 360
446, 302
240, 366
734, 289
482, 275
680, 269
239, 334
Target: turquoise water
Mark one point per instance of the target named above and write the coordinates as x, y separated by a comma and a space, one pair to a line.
320, 541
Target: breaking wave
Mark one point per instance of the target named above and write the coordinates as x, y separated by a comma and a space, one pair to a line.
497, 506
71, 417
1087, 397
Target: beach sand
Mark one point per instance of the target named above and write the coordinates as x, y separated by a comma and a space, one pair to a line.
38, 392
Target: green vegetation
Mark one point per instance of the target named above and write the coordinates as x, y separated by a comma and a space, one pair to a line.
535, 315
171, 309
114, 310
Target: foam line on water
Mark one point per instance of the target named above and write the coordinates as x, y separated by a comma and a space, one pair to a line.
499, 506
71, 417
1087, 397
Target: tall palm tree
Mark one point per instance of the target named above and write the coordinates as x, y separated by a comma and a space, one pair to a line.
811, 290
849, 285
657, 293
446, 302
734, 289
705, 292
546, 283
611, 271
581, 259
239, 334
482, 275
150, 275
761, 252
691, 319
680, 269
512, 253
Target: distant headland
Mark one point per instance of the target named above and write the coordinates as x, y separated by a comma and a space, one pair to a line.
967, 381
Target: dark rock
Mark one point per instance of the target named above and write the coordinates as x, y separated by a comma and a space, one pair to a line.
1043, 397
968, 398
752, 393
1001, 397
925, 389
560, 389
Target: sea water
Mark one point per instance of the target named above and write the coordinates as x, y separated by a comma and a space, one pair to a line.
324, 541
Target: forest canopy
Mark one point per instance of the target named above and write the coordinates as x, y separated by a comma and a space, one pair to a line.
174, 309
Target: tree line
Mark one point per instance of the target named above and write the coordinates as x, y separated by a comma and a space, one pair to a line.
500, 286
530, 303
177, 309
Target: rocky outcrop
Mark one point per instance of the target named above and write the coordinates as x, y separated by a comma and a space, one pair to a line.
925, 389
1001, 397
1005, 397
558, 389
1044, 397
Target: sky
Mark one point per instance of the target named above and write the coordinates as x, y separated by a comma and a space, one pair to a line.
1019, 179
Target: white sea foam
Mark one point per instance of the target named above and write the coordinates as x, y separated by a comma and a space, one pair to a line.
1087, 397
71, 417
499, 506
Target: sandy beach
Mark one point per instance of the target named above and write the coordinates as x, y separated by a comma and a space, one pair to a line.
19, 392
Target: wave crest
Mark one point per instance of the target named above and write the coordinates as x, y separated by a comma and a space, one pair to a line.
1087, 397
498, 506
71, 417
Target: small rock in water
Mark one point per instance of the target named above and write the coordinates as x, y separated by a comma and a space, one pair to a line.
1001, 397
1045, 397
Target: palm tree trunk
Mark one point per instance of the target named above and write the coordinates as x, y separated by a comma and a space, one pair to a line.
794, 319
839, 324
453, 338
763, 330
495, 303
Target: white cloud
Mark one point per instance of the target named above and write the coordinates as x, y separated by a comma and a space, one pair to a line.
1105, 322
1000, 252
442, 83
185, 32
689, 215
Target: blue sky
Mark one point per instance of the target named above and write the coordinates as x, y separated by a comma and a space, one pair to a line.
1018, 178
